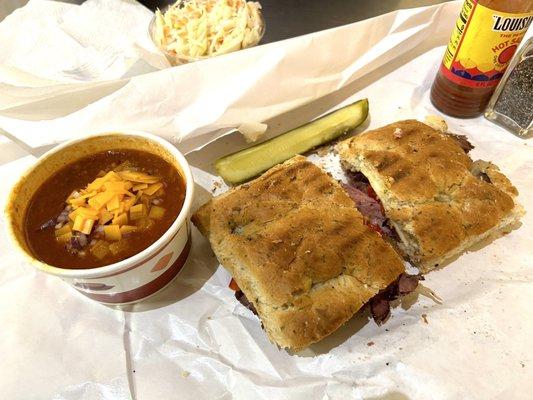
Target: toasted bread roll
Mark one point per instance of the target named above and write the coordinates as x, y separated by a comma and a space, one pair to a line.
439, 201
299, 250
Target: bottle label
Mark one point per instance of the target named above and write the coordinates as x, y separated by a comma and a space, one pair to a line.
482, 44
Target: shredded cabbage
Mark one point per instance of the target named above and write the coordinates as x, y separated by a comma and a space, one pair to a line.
202, 28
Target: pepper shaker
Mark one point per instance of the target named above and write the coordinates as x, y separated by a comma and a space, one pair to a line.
511, 106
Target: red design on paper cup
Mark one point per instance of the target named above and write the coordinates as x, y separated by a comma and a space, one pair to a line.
93, 286
163, 262
147, 289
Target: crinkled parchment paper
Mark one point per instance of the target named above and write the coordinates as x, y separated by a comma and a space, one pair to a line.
73, 70
194, 340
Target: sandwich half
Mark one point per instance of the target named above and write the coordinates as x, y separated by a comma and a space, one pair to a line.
437, 201
299, 250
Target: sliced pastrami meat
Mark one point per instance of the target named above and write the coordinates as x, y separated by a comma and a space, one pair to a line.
366, 201
462, 141
241, 297
380, 303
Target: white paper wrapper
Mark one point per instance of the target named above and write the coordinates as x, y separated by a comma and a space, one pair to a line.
65, 43
195, 341
191, 100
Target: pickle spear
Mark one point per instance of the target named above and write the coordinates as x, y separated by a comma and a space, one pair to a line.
248, 163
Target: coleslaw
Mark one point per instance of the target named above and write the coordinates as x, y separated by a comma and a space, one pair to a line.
194, 29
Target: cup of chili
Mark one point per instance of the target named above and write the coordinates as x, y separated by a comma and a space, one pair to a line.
107, 213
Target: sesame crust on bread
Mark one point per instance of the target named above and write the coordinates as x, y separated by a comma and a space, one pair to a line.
299, 250
439, 201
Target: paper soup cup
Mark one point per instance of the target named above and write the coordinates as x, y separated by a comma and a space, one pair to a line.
133, 278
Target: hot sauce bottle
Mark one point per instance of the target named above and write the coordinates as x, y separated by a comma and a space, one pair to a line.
484, 39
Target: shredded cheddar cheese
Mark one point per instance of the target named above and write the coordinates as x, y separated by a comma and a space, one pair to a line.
119, 201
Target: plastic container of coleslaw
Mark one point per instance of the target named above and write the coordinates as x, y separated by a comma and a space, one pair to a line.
202, 34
